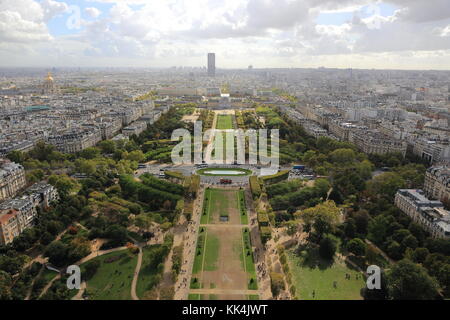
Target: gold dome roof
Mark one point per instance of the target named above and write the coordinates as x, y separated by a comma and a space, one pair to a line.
49, 77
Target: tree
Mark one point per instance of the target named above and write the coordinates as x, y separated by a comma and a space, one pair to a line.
107, 146
361, 221
394, 250
438, 246
64, 184
90, 153
386, 185
117, 234
356, 246
136, 155
420, 254
276, 283
327, 211
57, 253
378, 229
350, 228
410, 242
5, 286
342, 156
79, 247
91, 269
42, 151
88, 167
328, 246
12, 265
17, 156
409, 281
291, 227
143, 221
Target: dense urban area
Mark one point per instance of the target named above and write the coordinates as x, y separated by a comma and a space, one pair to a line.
87, 179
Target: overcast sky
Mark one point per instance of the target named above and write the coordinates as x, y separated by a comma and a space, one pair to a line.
400, 34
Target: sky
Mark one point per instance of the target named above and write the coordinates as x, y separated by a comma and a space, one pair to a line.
384, 34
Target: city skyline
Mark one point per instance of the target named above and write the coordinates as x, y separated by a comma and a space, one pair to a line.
360, 34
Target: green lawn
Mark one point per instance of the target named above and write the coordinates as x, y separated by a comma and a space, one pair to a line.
206, 211
151, 269
45, 277
224, 122
211, 252
216, 201
193, 296
242, 208
253, 297
198, 261
112, 281
310, 273
249, 263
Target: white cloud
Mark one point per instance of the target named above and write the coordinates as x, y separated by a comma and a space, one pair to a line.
22, 21
271, 32
93, 12
53, 8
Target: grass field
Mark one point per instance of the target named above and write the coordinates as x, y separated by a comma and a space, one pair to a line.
211, 253
150, 273
223, 257
112, 281
224, 122
248, 260
198, 261
221, 203
242, 207
310, 273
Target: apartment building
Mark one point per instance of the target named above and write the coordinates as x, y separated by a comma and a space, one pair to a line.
135, 129
341, 129
43, 194
110, 127
437, 183
428, 213
9, 226
12, 179
18, 214
76, 141
371, 142
431, 150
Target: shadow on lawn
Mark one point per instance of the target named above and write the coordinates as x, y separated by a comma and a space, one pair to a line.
310, 258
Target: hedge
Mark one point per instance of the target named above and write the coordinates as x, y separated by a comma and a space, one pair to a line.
175, 175
255, 187
162, 185
280, 176
263, 219
265, 234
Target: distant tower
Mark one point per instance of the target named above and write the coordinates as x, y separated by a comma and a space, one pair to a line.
211, 64
49, 85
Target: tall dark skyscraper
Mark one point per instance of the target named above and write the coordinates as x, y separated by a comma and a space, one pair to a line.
211, 64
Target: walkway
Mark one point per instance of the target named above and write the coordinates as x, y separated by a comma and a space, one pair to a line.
189, 239
136, 275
